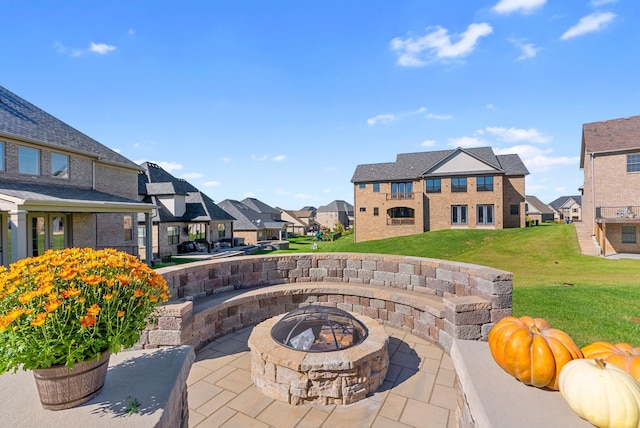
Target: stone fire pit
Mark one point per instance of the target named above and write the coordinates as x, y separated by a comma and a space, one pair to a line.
321, 374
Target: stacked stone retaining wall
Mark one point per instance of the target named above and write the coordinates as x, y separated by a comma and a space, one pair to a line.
438, 300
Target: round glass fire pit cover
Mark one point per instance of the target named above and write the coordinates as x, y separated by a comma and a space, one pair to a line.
319, 329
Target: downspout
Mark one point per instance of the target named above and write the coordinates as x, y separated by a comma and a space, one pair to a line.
593, 197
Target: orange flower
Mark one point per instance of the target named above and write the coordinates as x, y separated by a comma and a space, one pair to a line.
87, 321
52, 305
138, 293
93, 310
70, 292
92, 279
10, 317
39, 320
124, 279
27, 297
120, 314
108, 296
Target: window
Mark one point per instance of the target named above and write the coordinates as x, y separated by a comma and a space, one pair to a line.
59, 165
1, 156
363, 209
459, 184
514, 209
221, 230
400, 216
434, 185
197, 231
362, 185
28, 161
376, 211
142, 236
633, 163
484, 184
128, 228
458, 214
628, 234
402, 190
173, 234
485, 214
376, 187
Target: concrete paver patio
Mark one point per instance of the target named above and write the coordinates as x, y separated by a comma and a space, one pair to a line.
417, 392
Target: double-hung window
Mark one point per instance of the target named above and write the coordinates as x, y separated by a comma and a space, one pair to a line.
633, 163
173, 235
29, 161
403, 190
376, 187
459, 184
59, 165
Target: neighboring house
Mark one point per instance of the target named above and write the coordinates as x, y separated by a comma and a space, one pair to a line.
338, 211
567, 208
446, 189
610, 159
252, 226
60, 188
301, 222
536, 210
184, 213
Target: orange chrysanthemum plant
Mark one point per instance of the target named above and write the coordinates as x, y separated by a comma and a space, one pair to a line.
68, 306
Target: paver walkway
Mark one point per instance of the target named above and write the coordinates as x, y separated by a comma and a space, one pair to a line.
417, 392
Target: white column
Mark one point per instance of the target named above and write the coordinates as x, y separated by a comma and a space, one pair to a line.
19, 230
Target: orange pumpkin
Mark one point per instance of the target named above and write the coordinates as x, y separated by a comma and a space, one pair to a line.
531, 351
621, 355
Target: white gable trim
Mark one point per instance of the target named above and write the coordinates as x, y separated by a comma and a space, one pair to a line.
458, 162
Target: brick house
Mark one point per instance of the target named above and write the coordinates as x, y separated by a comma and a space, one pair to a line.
255, 221
184, 213
338, 211
536, 210
302, 222
60, 188
610, 159
567, 208
446, 189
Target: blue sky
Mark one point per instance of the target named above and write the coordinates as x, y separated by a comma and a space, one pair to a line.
280, 100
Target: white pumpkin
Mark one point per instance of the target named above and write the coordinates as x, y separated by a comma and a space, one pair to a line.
601, 393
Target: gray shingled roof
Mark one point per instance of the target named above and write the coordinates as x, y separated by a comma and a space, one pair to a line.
410, 166
537, 205
64, 194
22, 120
337, 206
154, 181
249, 219
562, 200
258, 205
610, 136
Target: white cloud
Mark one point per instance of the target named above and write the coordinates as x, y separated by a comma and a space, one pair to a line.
262, 158
102, 48
279, 158
437, 45
211, 183
439, 116
523, 6
527, 50
513, 135
226, 159
466, 142
490, 106
537, 159
597, 3
589, 24
381, 118
98, 48
428, 143
249, 195
131, 33
169, 166
117, 150
326, 191
191, 175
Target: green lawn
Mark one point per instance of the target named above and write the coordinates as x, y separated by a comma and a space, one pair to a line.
588, 297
